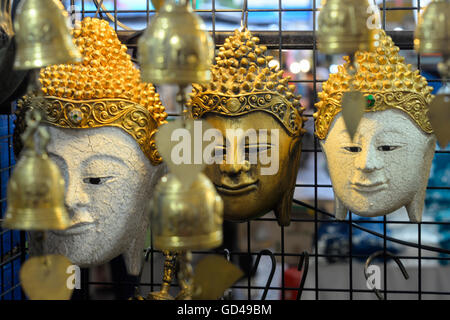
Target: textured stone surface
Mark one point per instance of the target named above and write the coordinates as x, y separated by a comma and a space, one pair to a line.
109, 183
384, 168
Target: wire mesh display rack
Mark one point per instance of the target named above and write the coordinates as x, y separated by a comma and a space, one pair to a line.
280, 39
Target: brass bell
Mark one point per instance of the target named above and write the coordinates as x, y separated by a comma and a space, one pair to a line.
343, 26
35, 193
432, 34
175, 48
186, 217
43, 35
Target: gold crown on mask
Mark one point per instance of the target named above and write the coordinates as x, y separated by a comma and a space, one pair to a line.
386, 82
103, 90
243, 82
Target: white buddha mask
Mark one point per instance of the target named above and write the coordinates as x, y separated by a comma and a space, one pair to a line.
102, 121
109, 182
387, 164
385, 167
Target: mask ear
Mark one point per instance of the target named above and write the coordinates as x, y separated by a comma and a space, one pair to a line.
283, 209
340, 211
415, 207
134, 253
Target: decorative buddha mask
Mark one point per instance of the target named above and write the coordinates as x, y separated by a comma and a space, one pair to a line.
102, 122
261, 122
387, 164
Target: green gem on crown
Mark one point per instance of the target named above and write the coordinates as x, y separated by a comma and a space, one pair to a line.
370, 100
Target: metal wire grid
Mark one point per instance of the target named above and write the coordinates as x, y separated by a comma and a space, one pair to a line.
278, 40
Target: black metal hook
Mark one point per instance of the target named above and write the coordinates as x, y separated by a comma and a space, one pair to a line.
228, 293
272, 271
226, 252
303, 265
384, 254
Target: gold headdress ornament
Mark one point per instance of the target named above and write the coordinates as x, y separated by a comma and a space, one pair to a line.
386, 82
103, 90
242, 82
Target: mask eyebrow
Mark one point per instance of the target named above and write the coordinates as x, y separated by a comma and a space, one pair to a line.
105, 157
57, 156
391, 130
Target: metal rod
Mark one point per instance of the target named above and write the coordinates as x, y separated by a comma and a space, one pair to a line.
299, 40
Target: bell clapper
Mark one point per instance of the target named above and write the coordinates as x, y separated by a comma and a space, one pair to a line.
353, 102
169, 271
181, 100
352, 68
39, 243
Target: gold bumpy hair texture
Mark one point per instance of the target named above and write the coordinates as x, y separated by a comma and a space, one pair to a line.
385, 80
102, 90
243, 82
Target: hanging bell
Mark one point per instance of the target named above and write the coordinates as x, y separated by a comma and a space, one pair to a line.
175, 48
186, 218
343, 26
35, 193
432, 34
43, 35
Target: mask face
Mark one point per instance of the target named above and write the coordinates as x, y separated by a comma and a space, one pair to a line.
109, 183
266, 179
385, 167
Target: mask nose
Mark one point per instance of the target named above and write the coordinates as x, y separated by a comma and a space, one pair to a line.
75, 197
234, 162
234, 168
368, 160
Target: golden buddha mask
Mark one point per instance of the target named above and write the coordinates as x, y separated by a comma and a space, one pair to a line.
387, 164
259, 118
102, 122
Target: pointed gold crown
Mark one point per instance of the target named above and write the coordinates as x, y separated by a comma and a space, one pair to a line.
242, 82
386, 82
103, 90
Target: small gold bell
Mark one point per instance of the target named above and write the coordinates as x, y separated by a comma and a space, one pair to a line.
35, 193
175, 48
432, 34
43, 35
186, 218
343, 26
